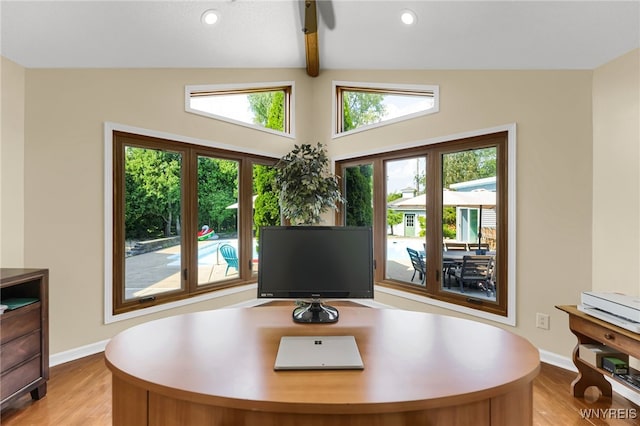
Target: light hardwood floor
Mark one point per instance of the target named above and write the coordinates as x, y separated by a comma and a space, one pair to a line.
79, 393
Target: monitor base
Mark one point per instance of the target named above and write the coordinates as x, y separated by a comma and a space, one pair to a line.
315, 312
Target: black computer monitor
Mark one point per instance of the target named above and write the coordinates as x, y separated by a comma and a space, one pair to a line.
311, 263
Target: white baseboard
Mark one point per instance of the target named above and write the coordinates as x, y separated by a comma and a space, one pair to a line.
77, 353
557, 360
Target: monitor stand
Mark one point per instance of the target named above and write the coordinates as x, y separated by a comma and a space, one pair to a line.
315, 312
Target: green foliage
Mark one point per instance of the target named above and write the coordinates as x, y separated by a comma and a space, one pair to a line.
468, 165
275, 114
449, 215
422, 220
266, 207
359, 188
306, 189
259, 104
268, 109
448, 231
152, 193
217, 189
394, 217
361, 108
393, 196
449, 222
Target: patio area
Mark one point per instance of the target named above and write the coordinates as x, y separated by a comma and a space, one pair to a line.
159, 271
399, 268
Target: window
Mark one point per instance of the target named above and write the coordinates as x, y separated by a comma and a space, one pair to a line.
359, 106
404, 212
218, 211
267, 107
184, 219
463, 186
409, 221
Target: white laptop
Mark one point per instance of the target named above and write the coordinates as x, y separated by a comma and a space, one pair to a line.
318, 353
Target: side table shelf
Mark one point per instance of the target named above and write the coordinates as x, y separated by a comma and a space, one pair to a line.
589, 329
24, 341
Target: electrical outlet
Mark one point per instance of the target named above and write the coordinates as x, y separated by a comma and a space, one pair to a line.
542, 321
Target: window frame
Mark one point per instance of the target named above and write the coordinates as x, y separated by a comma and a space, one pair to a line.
507, 221
115, 308
384, 88
227, 89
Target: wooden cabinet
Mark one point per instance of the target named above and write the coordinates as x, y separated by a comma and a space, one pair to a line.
24, 334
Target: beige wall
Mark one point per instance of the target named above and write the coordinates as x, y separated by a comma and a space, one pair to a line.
12, 83
552, 110
66, 110
616, 175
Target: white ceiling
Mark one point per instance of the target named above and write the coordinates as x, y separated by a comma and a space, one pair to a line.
367, 34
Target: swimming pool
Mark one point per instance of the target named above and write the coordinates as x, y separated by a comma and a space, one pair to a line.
208, 252
397, 247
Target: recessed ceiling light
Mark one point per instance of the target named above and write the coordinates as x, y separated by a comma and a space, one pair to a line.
210, 17
408, 17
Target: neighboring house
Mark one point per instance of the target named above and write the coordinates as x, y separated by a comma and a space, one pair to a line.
467, 217
412, 208
469, 210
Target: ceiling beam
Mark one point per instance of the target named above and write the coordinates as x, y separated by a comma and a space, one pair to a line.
311, 47
311, 38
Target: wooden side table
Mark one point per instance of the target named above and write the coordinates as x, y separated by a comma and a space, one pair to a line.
589, 329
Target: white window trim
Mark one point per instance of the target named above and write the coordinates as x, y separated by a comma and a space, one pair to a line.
109, 128
381, 86
246, 86
510, 318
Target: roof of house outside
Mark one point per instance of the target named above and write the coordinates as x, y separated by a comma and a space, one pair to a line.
488, 183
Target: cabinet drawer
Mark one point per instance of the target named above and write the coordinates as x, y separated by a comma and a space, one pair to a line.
19, 322
606, 335
19, 377
16, 351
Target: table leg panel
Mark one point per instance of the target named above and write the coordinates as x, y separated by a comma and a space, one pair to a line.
129, 404
513, 408
166, 411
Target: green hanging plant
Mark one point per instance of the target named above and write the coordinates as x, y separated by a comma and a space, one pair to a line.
306, 188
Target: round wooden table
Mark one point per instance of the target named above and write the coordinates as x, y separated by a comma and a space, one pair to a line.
216, 368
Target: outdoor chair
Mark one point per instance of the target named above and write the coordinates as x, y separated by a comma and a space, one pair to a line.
491, 282
455, 245
473, 270
478, 246
449, 265
418, 265
228, 252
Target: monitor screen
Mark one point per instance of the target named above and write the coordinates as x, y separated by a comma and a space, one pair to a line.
315, 262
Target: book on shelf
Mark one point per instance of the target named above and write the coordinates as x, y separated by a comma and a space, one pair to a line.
18, 302
632, 378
